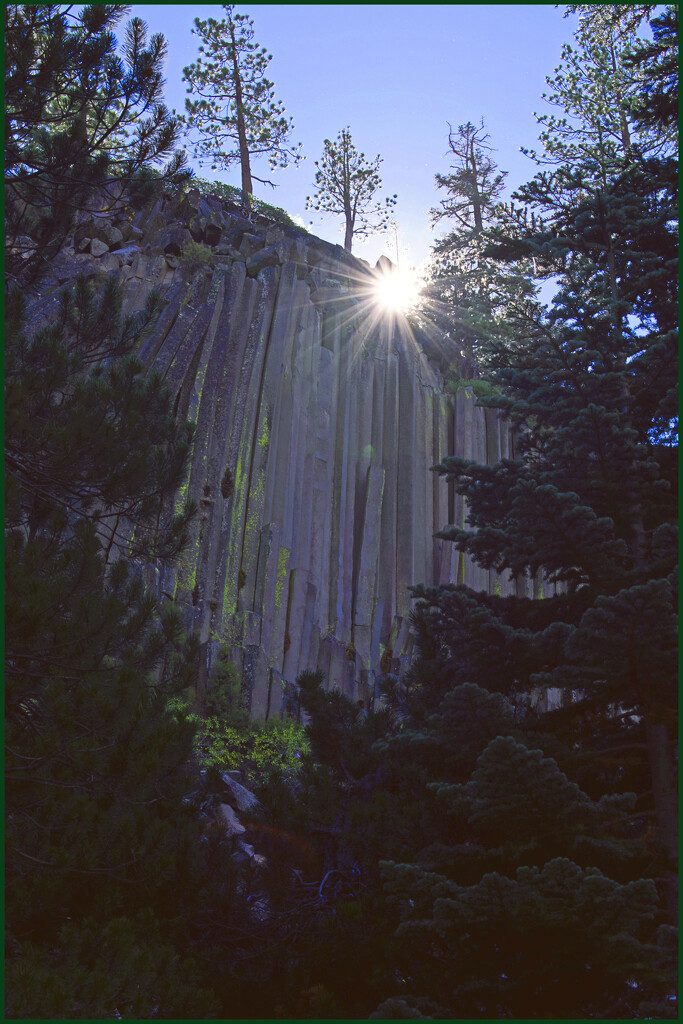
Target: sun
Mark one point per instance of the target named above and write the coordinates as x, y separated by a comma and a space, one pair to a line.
396, 290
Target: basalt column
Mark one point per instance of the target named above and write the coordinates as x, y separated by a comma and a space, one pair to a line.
318, 418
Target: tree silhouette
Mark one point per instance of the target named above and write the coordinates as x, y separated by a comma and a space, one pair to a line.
346, 184
236, 113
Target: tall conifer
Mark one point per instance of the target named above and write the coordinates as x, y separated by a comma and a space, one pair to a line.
589, 509
233, 111
101, 843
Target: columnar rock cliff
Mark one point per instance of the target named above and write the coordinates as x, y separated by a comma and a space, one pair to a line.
318, 417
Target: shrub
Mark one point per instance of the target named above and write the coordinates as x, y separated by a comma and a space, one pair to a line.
224, 696
231, 194
228, 739
228, 193
196, 255
276, 746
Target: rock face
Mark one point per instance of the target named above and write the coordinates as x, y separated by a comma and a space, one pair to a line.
318, 417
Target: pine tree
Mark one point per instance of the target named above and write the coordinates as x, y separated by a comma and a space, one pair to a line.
236, 115
657, 105
76, 407
474, 184
78, 118
591, 505
566, 812
106, 857
551, 941
100, 841
464, 286
346, 184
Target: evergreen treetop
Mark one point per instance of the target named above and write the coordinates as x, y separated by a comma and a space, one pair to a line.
346, 183
236, 114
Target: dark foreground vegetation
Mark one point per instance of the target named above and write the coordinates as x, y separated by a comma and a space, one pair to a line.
496, 837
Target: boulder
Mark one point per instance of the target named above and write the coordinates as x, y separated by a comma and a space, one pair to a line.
65, 268
173, 240
237, 226
213, 231
83, 232
207, 229
274, 234
153, 227
192, 198
238, 795
250, 244
127, 252
98, 248
98, 228
207, 206
196, 227
269, 257
178, 209
224, 249
109, 262
233, 826
130, 232
109, 234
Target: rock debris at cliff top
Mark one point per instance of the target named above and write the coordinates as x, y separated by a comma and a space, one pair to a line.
318, 419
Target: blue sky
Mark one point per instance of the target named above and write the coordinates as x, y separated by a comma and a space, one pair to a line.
396, 74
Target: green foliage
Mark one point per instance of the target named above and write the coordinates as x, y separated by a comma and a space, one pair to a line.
536, 844
196, 255
553, 940
601, 92
147, 185
236, 115
126, 969
257, 752
467, 292
592, 504
76, 407
520, 805
231, 194
97, 765
346, 184
341, 732
657, 103
228, 739
79, 117
228, 193
480, 388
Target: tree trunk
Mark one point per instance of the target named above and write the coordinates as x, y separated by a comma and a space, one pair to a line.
476, 201
348, 237
247, 187
661, 767
349, 211
623, 122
